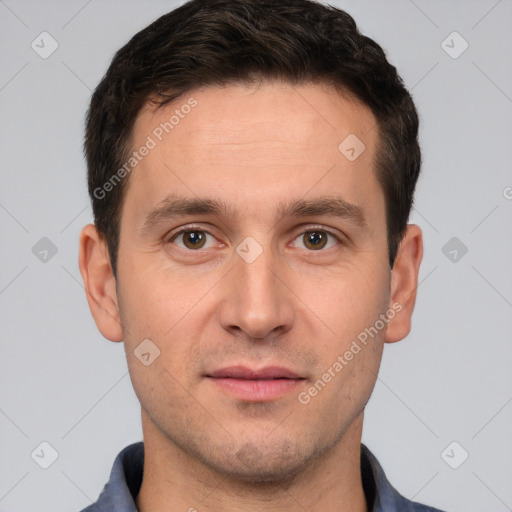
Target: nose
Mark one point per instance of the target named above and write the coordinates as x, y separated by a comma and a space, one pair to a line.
256, 298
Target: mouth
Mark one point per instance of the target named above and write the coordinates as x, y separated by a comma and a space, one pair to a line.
265, 384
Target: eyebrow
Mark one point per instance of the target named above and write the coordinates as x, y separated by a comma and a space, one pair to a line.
173, 206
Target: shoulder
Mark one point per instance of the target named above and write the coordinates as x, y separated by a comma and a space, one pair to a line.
119, 492
384, 496
412, 506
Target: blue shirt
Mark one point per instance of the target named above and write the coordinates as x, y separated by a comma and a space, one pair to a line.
123, 487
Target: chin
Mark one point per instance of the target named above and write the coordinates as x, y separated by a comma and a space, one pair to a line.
261, 463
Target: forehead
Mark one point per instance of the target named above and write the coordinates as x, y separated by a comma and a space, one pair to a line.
256, 144
314, 115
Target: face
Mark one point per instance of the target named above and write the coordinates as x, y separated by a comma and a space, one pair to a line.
253, 254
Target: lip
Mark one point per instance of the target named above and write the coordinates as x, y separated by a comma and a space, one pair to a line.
242, 372
264, 384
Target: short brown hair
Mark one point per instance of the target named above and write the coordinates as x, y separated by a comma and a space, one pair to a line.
218, 42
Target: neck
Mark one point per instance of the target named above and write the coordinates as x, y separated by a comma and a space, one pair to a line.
175, 481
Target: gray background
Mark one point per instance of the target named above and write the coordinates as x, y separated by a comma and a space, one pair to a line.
450, 380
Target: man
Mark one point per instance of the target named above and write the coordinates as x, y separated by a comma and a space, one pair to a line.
252, 166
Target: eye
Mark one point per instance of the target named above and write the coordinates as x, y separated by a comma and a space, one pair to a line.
192, 239
316, 240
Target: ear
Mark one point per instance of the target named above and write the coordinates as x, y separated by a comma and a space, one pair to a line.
99, 283
404, 282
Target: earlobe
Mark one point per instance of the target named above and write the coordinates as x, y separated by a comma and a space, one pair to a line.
404, 282
99, 283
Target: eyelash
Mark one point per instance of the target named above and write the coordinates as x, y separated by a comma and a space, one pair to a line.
309, 230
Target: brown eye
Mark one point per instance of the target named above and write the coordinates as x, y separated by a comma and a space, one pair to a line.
314, 239
193, 239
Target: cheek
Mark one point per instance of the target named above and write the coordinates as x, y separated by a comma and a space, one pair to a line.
349, 347
351, 351
172, 311
345, 302
155, 300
